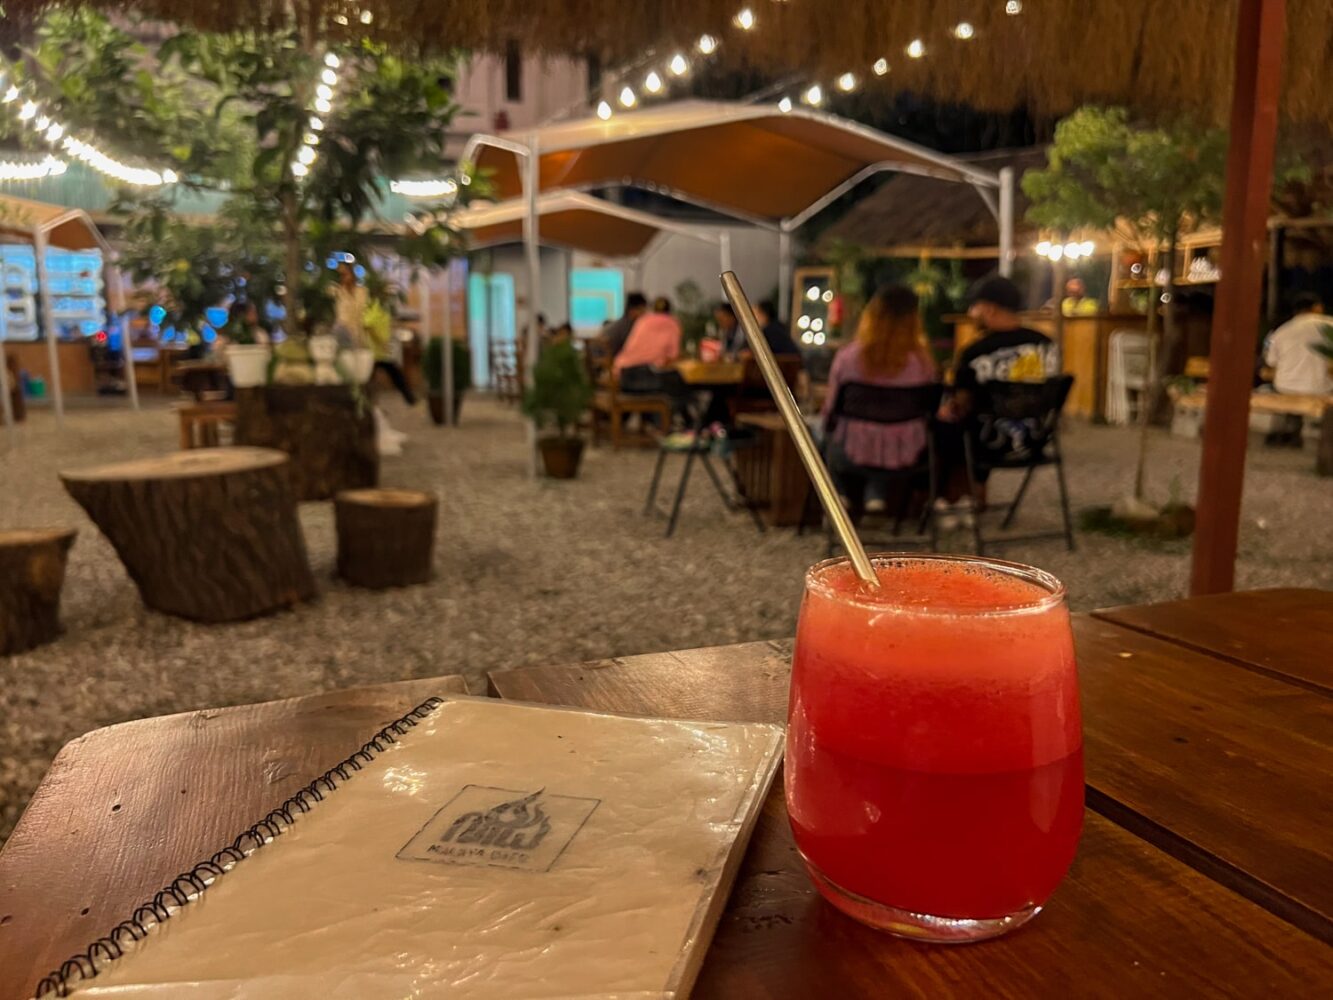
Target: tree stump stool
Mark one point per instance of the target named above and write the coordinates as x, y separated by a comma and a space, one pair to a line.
32, 571
386, 538
210, 535
328, 430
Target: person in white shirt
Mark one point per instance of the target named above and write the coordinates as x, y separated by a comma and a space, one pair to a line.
1297, 367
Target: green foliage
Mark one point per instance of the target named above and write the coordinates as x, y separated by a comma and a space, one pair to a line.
1103, 168
693, 313
560, 392
432, 363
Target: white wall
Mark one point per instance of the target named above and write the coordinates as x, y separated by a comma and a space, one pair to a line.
549, 86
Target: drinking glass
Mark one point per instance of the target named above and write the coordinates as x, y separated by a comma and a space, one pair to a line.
934, 770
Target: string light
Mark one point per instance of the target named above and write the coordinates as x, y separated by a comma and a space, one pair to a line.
442, 188
367, 17
47, 167
785, 105
11, 95
316, 124
916, 48
707, 44
652, 82
963, 31
603, 110
627, 98
679, 65
331, 60
814, 96
881, 66
847, 82
329, 77
323, 106
28, 111
98, 160
324, 91
745, 19
1013, 7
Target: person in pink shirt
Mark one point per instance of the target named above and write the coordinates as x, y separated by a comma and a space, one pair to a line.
644, 363
889, 350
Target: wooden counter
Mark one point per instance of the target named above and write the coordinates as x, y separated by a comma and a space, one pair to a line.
1084, 352
76, 363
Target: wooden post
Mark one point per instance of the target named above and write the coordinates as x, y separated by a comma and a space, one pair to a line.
1260, 34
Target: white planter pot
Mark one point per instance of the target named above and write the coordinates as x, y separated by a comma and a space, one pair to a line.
359, 364
247, 364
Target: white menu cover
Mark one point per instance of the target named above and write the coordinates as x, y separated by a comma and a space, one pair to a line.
498, 850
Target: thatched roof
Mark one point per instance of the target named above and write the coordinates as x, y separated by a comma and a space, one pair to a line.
1053, 56
913, 213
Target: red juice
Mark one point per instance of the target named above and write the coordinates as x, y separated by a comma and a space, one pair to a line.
934, 769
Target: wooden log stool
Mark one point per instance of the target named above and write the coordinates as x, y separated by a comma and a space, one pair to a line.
200, 423
32, 571
210, 535
386, 538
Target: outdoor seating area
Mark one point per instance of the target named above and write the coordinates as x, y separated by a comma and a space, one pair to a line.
505, 501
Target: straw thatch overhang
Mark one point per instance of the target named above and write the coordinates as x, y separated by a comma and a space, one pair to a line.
1054, 56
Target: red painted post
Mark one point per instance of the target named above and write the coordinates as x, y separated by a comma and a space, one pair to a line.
1260, 36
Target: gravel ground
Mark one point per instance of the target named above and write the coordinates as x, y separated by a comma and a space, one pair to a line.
528, 572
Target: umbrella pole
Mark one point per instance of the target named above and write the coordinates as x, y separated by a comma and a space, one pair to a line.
1260, 32
49, 322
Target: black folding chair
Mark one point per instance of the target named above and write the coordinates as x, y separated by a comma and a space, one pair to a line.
1026, 415
878, 404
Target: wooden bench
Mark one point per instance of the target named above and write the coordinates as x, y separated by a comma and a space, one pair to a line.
200, 423
1318, 408
611, 406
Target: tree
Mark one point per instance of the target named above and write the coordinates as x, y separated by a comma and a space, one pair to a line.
1105, 171
239, 113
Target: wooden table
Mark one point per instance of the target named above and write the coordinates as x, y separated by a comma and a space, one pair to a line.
772, 473
1205, 869
710, 374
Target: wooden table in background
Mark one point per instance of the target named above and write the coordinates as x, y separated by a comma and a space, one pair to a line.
772, 473
710, 373
1205, 869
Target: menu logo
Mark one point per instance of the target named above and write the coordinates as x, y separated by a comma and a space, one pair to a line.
501, 827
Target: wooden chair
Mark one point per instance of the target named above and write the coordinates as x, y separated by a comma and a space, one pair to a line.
200, 423
609, 404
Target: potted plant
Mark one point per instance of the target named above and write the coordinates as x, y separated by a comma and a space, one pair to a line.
432, 364
559, 395
247, 357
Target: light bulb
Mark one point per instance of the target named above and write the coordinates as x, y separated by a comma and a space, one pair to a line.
745, 19
804, 322
11, 95
340, 18
816, 324
847, 82
1043, 248
28, 111
815, 95
41, 123
324, 91
807, 337
707, 44
784, 105
813, 293
1013, 7
310, 139
367, 17
819, 340
828, 295
881, 66
1087, 247
963, 30
316, 124
331, 60
329, 77
299, 169
679, 65
323, 106
627, 98
916, 49
652, 82
305, 155
1073, 251
1057, 251
603, 110
169, 176
54, 132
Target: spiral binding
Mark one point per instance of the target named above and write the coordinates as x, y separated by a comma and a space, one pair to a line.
187, 886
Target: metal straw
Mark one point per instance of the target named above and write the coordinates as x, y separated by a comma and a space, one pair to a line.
800, 433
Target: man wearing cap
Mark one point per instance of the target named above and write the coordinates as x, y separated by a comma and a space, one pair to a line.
1008, 351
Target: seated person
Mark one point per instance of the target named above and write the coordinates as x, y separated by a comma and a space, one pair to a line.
1076, 301
1007, 352
890, 350
617, 331
644, 363
776, 332
1297, 367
